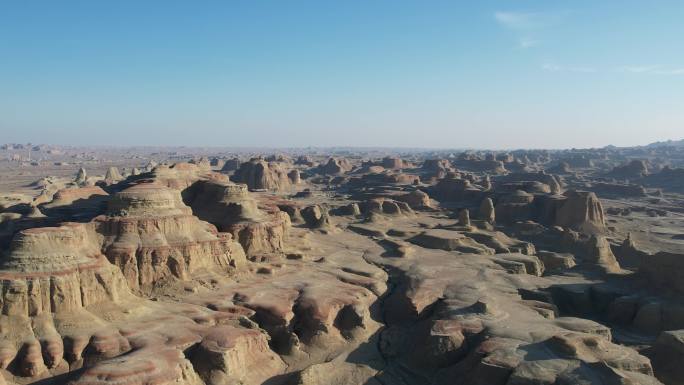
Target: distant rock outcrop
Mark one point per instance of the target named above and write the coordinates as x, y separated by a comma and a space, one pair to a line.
259, 174
486, 211
112, 176
580, 210
634, 169
417, 199
335, 166
81, 177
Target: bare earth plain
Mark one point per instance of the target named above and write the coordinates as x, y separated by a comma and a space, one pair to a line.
209, 266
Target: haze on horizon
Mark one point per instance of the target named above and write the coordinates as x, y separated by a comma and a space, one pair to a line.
443, 74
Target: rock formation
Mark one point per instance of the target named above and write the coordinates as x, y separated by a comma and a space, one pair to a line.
486, 211
152, 236
231, 165
112, 176
231, 209
258, 174
416, 199
335, 166
634, 169
580, 210
81, 177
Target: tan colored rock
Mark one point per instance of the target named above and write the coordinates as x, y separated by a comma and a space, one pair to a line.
450, 241
417, 200
464, 218
335, 166
600, 255
151, 235
582, 211
258, 174
57, 270
112, 176
486, 211
81, 177
235, 355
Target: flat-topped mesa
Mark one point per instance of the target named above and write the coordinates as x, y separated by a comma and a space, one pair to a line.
222, 203
259, 174
51, 249
77, 203
147, 199
57, 269
152, 236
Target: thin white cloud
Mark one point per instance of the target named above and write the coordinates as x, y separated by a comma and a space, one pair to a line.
652, 69
516, 20
550, 67
638, 69
528, 24
528, 20
525, 43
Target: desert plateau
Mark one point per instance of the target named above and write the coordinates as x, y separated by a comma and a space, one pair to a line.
200, 266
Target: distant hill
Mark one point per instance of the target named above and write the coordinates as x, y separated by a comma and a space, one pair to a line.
667, 143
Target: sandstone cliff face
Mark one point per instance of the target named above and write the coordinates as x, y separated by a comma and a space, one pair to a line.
49, 279
151, 235
57, 269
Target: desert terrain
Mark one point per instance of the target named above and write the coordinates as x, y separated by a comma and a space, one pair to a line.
219, 266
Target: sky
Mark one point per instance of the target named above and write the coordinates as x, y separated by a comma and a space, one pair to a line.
392, 73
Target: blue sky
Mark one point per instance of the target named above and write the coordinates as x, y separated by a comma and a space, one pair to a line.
484, 74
